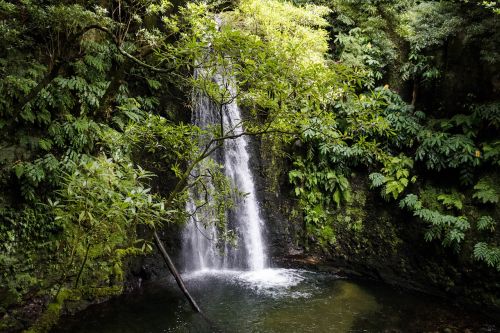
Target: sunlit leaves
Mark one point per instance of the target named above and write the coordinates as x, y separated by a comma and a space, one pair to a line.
430, 23
102, 202
395, 176
277, 53
359, 52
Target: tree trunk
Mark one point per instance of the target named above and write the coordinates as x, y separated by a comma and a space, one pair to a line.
117, 77
175, 273
48, 78
414, 93
180, 282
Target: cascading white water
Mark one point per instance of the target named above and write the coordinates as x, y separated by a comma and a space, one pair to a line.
200, 252
247, 263
200, 236
237, 168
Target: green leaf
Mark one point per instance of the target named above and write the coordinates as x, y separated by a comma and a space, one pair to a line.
451, 200
486, 222
19, 170
486, 191
153, 84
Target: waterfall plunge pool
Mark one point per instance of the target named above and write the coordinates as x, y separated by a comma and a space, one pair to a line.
275, 300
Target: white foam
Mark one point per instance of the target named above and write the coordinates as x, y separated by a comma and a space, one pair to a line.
275, 282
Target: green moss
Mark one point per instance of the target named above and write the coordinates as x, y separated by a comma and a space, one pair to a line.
273, 156
363, 230
428, 195
9, 323
353, 215
101, 292
47, 320
51, 315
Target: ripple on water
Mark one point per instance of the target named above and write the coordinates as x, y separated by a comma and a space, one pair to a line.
275, 301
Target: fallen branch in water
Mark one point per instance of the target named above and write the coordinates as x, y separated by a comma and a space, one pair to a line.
180, 282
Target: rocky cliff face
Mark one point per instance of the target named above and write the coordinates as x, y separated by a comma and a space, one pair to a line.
373, 239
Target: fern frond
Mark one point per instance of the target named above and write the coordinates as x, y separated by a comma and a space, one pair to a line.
486, 191
486, 223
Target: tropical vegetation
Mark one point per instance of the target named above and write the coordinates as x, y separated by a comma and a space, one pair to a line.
97, 147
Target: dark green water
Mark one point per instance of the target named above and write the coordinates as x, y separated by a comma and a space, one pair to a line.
276, 301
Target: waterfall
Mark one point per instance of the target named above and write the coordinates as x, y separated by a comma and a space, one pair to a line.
199, 242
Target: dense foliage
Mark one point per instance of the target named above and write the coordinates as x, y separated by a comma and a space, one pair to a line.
408, 47
81, 104
96, 149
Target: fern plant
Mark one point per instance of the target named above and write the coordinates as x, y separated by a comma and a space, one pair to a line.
453, 200
485, 191
488, 254
395, 177
447, 228
487, 223
317, 188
